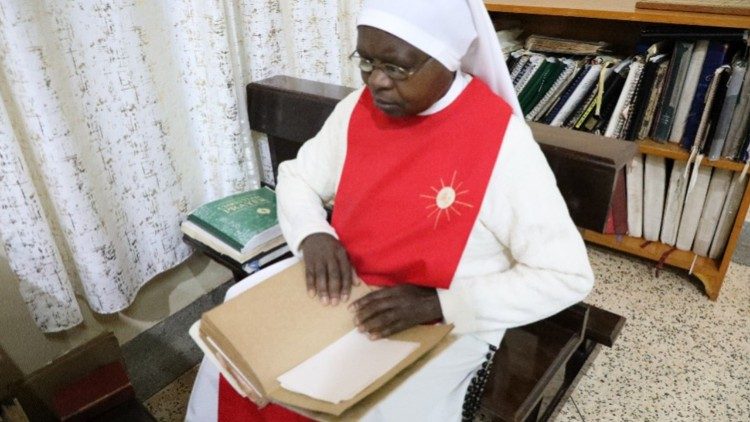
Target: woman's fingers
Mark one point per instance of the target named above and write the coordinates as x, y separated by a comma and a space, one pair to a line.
334, 280
328, 272
345, 269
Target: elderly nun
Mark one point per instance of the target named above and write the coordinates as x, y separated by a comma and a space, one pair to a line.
442, 199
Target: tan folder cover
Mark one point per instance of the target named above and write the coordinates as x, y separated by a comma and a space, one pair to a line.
275, 326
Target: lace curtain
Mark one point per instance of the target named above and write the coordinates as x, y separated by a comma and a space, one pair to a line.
117, 117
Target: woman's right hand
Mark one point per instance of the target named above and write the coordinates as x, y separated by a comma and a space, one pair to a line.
328, 271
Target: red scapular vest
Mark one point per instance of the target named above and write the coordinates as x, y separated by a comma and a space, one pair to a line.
411, 187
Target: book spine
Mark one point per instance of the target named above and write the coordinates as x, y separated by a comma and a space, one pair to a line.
641, 98
535, 62
739, 125
586, 84
715, 58
696, 197
653, 101
739, 70
553, 92
689, 89
708, 107
555, 109
671, 97
628, 127
728, 214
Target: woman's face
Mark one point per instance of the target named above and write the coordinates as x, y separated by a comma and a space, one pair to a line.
423, 88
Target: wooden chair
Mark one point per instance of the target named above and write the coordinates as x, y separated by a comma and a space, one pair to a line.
536, 366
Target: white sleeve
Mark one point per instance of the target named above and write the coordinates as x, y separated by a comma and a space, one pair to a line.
309, 181
549, 268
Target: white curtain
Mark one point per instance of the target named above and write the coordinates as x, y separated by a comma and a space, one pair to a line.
117, 117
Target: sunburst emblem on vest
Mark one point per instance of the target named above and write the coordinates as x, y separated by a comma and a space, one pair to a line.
446, 200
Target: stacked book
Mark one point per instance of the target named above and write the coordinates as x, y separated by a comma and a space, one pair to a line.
681, 86
690, 209
242, 227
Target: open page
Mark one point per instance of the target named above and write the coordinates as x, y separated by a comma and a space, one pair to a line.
346, 367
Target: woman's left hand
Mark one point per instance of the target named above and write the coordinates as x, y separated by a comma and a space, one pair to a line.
392, 309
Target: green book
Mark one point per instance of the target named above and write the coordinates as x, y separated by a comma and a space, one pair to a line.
243, 221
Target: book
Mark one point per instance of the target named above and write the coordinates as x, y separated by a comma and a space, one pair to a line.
634, 189
624, 102
243, 221
540, 84
566, 93
739, 126
535, 62
518, 68
711, 109
653, 100
717, 193
716, 57
680, 63
694, 200
197, 233
554, 45
673, 205
728, 215
654, 181
734, 85
597, 122
592, 102
586, 84
687, 93
643, 93
555, 90
268, 330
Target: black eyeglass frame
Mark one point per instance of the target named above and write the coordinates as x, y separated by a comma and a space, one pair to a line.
395, 72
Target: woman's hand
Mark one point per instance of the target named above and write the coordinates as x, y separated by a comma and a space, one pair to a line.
327, 268
392, 309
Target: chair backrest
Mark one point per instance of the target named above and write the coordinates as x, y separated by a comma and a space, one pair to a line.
291, 111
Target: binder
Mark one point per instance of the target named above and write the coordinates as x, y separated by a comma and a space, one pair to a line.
711, 109
555, 109
555, 90
634, 188
683, 51
619, 114
728, 213
650, 115
654, 180
689, 87
716, 57
673, 206
643, 94
739, 126
717, 193
694, 201
597, 122
577, 95
739, 70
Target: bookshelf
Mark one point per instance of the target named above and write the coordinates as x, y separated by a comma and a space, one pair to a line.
619, 23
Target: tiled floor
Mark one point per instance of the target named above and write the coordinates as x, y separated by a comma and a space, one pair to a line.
680, 357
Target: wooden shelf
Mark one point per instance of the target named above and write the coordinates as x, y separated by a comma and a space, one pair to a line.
619, 23
620, 10
706, 269
674, 152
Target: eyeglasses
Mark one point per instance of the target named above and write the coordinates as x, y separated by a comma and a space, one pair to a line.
397, 73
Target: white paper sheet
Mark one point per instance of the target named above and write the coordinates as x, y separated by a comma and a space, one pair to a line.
346, 367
